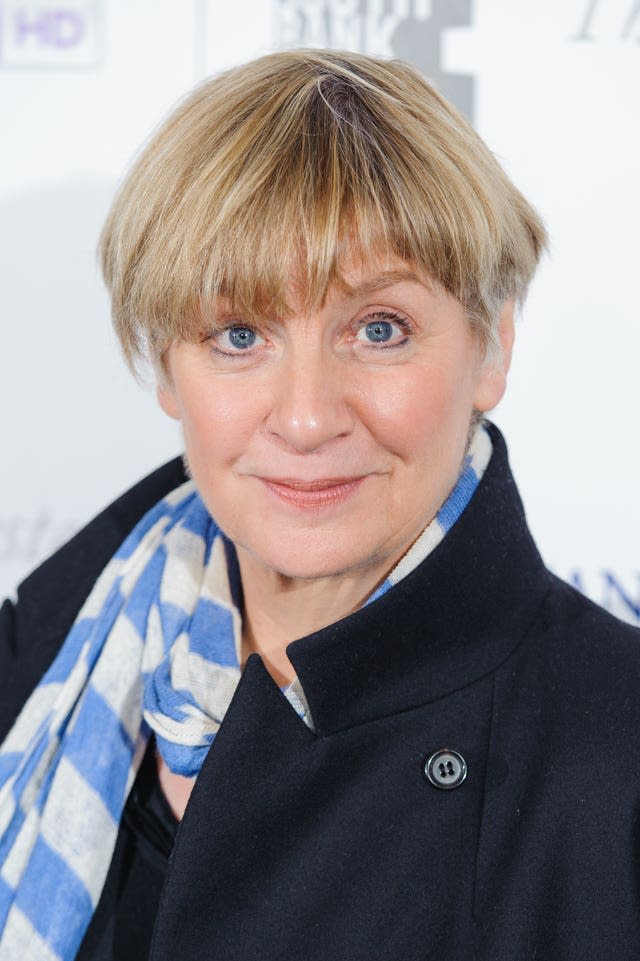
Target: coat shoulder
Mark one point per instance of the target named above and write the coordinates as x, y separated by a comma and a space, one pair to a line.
590, 628
48, 600
582, 666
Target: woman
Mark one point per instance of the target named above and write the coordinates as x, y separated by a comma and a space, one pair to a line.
333, 653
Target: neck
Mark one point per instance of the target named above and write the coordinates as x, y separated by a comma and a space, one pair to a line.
279, 609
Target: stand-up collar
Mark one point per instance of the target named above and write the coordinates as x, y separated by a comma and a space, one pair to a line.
454, 618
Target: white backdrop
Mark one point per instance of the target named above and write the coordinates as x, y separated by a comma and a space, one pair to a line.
554, 88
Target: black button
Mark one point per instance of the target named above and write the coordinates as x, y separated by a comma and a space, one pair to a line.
446, 769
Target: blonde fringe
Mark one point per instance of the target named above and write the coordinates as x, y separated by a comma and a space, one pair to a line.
274, 176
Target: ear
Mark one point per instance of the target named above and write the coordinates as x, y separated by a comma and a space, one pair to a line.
492, 381
165, 388
167, 399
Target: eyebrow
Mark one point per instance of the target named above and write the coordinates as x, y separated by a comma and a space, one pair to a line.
384, 279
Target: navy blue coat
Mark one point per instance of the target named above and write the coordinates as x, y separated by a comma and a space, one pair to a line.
333, 845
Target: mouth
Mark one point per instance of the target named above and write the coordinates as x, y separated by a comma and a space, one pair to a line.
322, 492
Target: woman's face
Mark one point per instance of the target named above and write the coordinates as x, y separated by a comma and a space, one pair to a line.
325, 443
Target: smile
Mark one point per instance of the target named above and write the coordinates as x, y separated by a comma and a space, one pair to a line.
318, 493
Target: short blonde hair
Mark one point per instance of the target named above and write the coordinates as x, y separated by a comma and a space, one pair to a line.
285, 168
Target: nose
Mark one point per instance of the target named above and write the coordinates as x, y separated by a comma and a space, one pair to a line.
310, 401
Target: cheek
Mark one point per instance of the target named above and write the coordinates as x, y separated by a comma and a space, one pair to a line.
420, 407
218, 420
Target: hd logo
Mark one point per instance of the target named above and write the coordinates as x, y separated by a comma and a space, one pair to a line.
50, 33
409, 29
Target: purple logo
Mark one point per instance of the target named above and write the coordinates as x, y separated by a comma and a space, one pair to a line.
49, 28
50, 34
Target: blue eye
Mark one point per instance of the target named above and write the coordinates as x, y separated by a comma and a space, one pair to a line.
235, 340
384, 330
379, 331
241, 337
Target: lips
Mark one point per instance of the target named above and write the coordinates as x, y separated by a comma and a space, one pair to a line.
313, 485
322, 492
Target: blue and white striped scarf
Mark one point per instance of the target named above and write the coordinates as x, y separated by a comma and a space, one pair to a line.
156, 647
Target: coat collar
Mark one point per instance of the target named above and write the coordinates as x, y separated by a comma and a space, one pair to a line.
456, 617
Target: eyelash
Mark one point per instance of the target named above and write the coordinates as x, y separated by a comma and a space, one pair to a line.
388, 316
211, 338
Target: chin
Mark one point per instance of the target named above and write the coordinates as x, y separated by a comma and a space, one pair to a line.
306, 559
